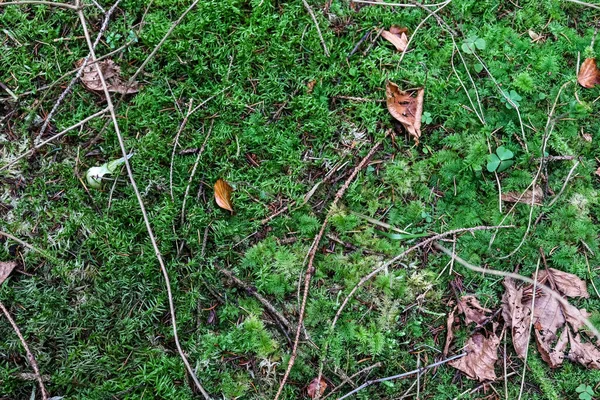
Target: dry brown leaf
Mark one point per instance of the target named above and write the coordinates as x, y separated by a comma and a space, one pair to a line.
515, 197
112, 76
473, 311
587, 137
223, 192
482, 354
568, 284
449, 331
534, 36
6, 268
554, 323
553, 354
406, 108
310, 86
516, 316
589, 75
584, 353
397, 37
598, 171
315, 385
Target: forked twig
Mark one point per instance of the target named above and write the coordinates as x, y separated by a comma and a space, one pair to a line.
550, 292
417, 371
40, 3
311, 256
142, 207
45, 142
30, 356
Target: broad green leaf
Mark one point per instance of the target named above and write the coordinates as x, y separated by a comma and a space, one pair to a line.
504, 153
504, 165
466, 48
480, 44
493, 163
478, 67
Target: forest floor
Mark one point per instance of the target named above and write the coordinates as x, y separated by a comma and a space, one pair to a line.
286, 102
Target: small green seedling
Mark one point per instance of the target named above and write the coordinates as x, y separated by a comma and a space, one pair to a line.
585, 392
94, 175
472, 43
501, 160
427, 118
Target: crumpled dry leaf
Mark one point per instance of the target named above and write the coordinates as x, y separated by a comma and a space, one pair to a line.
6, 268
598, 171
516, 316
589, 75
406, 108
513, 197
482, 354
223, 192
315, 385
473, 311
534, 36
554, 323
396, 36
568, 284
449, 331
112, 77
586, 354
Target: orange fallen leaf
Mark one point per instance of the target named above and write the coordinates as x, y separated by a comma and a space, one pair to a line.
406, 107
397, 37
589, 75
315, 385
223, 192
112, 76
6, 268
310, 86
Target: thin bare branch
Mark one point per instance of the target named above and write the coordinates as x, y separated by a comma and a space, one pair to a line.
417, 371
45, 142
157, 252
311, 257
30, 356
39, 3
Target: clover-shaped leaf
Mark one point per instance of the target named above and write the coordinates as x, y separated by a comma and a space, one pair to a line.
501, 160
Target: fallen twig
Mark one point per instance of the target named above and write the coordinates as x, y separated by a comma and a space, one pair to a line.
157, 252
311, 256
550, 292
45, 142
418, 371
69, 87
30, 356
241, 284
39, 2
312, 15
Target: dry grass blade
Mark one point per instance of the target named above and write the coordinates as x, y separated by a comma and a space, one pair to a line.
30, 356
223, 192
138, 195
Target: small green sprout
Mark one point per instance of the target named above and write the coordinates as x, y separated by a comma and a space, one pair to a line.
94, 175
472, 43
